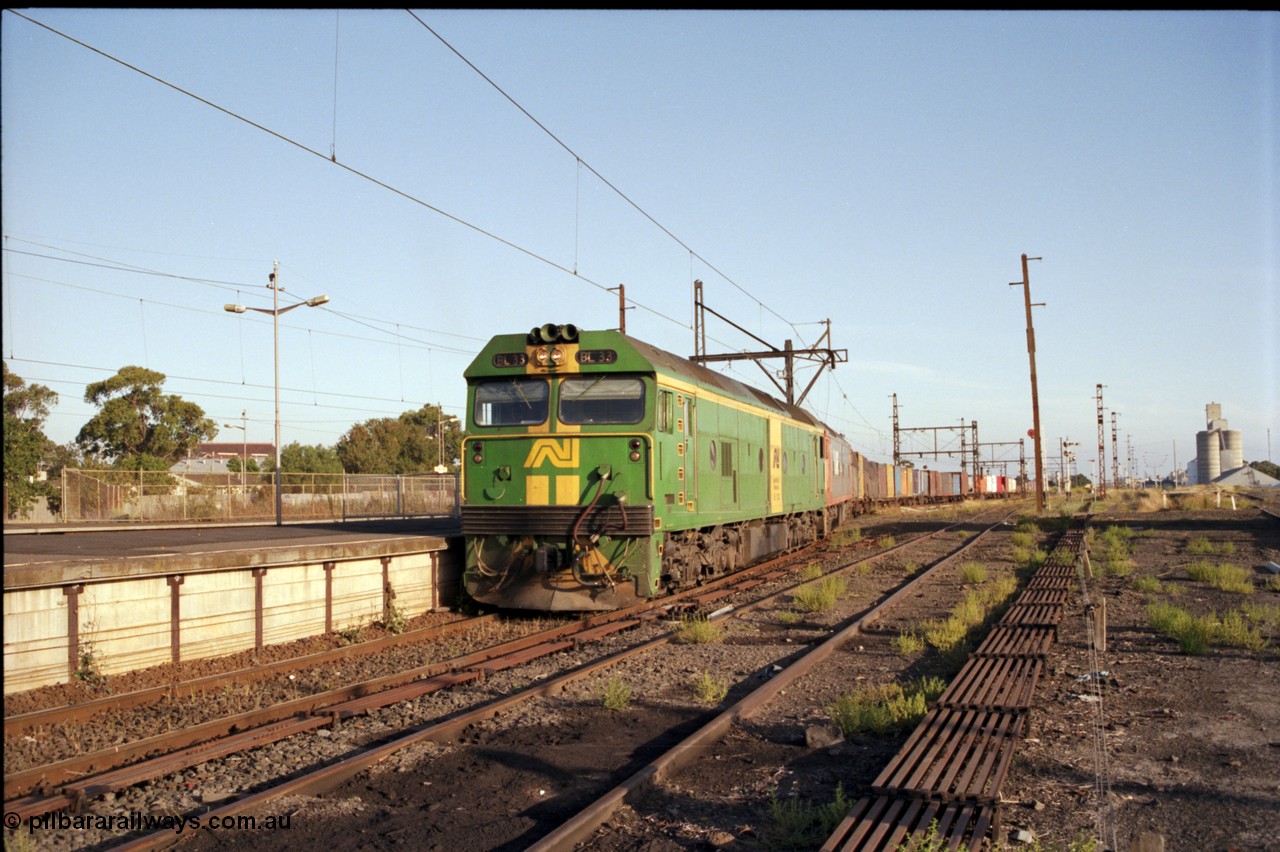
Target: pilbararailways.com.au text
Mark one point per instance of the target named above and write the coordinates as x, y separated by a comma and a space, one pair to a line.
131, 822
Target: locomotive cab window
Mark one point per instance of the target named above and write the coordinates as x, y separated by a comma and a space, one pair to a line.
512, 402
601, 399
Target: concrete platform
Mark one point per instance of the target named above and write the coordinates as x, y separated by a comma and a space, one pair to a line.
83, 603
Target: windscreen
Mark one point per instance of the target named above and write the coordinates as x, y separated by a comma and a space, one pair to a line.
511, 402
601, 399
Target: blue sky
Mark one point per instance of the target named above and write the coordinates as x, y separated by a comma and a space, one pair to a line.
883, 170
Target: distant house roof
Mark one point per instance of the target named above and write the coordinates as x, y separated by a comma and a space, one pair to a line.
233, 449
1248, 477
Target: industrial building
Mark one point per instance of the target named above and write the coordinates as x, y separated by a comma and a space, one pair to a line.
1220, 456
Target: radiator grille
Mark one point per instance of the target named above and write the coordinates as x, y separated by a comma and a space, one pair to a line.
556, 520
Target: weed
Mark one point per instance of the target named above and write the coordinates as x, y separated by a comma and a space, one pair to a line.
1149, 585
1119, 567
1264, 614
353, 635
846, 537
394, 621
908, 643
884, 708
1228, 578
820, 596
887, 541
616, 694
1273, 583
973, 572
789, 616
1233, 631
698, 630
1195, 635
994, 594
1022, 540
944, 634
709, 689
88, 660
929, 841
796, 824
812, 571
1200, 546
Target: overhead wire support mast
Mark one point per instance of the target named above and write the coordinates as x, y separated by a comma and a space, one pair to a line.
1025, 283
824, 356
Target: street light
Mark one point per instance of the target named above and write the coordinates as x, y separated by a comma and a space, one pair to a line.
244, 457
441, 417
275, 311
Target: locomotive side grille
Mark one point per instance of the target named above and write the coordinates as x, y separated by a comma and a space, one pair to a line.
555, 520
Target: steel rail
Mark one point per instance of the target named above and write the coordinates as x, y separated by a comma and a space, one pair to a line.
579, 828
23, 722
327, 778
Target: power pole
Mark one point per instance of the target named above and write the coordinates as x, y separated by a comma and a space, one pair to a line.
1035, 394
1101, 490
897, 446
622, 306
1115, 452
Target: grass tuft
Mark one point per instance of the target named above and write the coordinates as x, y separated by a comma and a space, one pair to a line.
698, 630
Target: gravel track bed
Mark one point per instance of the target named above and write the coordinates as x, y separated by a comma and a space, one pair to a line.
663, 701
524, 772
46, 744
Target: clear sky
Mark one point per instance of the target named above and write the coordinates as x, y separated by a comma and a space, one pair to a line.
881, 170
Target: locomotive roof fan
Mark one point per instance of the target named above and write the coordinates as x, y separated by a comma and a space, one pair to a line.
552, 333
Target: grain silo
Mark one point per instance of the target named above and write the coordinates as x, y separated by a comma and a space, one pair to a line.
1219, 450
1208, 457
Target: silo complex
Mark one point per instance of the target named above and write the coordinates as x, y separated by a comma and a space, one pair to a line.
1219, 450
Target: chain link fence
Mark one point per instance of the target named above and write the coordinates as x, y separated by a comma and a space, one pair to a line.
134, 496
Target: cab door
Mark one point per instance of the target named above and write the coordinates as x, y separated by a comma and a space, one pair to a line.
775, 466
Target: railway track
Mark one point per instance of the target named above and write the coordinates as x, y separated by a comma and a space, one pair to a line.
69, 783
451, 729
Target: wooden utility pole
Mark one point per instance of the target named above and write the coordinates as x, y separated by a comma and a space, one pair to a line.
1035, 393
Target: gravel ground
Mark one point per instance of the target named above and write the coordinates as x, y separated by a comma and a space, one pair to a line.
1192, 741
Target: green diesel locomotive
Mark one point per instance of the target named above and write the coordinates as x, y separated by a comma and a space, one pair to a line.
599, 470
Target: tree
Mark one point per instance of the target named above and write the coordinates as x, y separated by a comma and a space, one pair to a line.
414, 442
1079, 480
233, 464
26, 407
304, 458
138, 425
1271, 469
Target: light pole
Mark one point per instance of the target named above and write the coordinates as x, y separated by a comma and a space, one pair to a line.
440, 418
244, 455
315, 301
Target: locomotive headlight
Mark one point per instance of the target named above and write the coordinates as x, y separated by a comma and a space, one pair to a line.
634, 444
542, 357
635, 456
557, 357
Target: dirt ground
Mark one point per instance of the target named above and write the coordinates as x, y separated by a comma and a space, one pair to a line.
1185, 746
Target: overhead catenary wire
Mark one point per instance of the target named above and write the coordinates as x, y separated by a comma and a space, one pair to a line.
347, 168
582, 163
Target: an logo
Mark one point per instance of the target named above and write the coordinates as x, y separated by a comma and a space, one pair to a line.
559, 453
